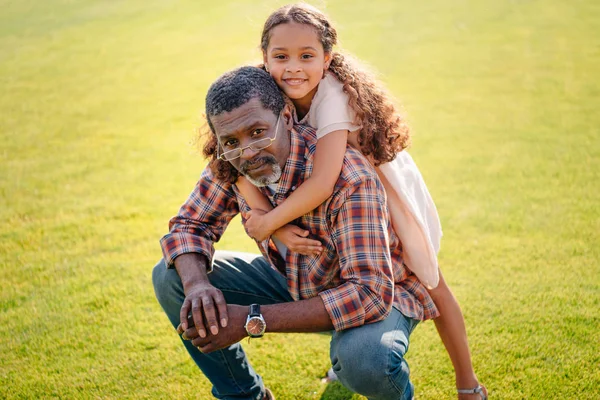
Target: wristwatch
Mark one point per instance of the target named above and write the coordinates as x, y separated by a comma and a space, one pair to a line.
255, 323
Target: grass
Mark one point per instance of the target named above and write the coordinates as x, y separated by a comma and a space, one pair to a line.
98, 104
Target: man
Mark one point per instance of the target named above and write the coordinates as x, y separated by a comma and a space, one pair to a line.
357, 285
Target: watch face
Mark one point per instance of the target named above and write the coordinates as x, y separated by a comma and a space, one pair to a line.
255, 326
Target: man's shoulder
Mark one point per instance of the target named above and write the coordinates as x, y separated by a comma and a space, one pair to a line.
306, 132
210, 186
356, 169
358, 187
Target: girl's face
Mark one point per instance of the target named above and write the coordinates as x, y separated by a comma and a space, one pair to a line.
296, 60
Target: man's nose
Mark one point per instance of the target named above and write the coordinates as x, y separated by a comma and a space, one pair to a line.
248, 153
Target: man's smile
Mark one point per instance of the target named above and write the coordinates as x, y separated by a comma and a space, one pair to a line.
261, 171
255, 165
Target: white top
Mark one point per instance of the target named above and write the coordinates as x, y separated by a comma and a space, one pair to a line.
329, 110
413, 212
414, 216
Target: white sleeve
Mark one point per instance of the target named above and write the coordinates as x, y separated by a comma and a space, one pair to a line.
329, 110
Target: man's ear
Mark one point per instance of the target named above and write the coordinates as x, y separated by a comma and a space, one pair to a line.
288, 117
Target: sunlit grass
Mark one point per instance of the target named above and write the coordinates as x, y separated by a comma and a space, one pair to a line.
98, 106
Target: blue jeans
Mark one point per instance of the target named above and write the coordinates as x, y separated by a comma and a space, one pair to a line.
368, 360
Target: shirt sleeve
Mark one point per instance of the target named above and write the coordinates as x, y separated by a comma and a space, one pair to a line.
366, 292
201, 220
330, 110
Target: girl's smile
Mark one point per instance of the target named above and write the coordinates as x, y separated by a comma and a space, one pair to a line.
294, 81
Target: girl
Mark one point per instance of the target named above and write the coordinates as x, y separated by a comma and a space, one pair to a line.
345, 105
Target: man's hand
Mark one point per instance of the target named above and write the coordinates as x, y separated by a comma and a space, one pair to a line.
233, 333
204, 301
296, 240
257, 225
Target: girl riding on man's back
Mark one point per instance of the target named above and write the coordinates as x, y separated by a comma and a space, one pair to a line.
346, 106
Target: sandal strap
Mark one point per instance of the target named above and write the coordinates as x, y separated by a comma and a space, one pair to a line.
478, 390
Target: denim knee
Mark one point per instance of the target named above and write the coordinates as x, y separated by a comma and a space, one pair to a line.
168, 289
369, 360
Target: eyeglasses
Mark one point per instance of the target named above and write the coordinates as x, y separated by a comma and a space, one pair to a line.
257, 145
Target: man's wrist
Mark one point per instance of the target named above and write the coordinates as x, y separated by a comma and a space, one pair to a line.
191, 282
255, 323
192, 269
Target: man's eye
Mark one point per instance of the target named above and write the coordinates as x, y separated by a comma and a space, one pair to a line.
257, 132
230, 144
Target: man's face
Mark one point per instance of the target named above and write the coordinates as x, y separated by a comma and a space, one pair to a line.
243, 127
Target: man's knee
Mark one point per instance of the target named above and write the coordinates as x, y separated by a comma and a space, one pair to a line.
166, 283
375, 373
372, 366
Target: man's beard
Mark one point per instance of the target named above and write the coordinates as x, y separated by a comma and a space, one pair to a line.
263, 180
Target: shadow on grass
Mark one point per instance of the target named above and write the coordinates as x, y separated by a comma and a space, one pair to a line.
336, 391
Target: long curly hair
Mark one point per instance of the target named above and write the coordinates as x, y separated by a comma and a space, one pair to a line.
384, 132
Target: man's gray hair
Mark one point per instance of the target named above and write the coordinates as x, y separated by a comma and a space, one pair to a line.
235, 88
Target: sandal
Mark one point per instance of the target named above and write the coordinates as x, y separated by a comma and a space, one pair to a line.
269, 395
329, 377
478, 390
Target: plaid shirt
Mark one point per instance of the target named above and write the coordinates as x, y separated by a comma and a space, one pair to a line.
359, 274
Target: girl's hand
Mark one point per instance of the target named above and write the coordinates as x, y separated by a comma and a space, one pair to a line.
296, 240
257, 225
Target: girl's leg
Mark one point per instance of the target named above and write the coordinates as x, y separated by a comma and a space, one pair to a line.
451, 328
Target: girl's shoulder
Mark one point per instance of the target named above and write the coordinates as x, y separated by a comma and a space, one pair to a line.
330, 93
330, 110
330, 83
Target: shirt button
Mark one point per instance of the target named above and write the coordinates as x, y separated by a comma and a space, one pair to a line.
293, 187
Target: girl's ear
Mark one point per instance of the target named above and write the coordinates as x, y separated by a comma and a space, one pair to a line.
265, 61
327, 61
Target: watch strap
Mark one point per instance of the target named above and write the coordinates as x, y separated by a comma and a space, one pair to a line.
254, 310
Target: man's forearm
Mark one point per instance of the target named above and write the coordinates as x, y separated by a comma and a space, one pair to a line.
191, 268
205, 302
297, 316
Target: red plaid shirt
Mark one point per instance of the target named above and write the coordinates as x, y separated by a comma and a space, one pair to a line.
359, 274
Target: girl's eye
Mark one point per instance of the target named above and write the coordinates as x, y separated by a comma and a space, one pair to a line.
307, 56
279, 57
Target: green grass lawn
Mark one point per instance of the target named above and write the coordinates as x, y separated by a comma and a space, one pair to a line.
98, 105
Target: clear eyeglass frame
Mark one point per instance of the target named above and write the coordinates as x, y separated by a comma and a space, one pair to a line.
258, 145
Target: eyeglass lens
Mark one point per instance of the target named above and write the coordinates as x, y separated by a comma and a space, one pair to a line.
256, 146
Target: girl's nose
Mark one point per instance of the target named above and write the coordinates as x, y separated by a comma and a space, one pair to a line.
293, 67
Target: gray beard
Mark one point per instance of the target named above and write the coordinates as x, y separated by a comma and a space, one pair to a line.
268, 179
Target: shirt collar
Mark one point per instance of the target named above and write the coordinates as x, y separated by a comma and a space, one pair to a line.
302, 146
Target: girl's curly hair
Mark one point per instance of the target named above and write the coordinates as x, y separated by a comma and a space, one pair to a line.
384, 132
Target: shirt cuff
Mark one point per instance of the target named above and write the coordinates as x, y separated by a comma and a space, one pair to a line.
344, 306
175, 244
